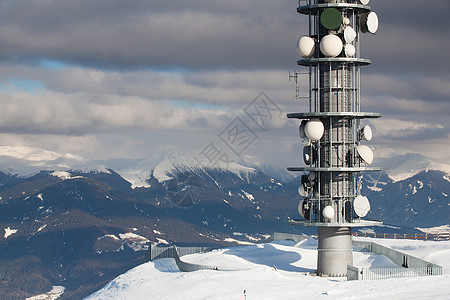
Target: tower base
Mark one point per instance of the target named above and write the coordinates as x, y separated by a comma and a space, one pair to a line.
334, 251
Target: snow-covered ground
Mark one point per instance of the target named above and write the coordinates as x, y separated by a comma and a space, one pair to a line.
436, 230
54, 294
8, 232
279, 271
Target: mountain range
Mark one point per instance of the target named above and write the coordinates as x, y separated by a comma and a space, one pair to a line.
77, 223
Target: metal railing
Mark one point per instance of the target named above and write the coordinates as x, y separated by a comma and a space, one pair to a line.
387, 273
277, 236
408, 265
444, 236
155, 253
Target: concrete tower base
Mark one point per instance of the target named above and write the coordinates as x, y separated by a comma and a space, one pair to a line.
334, 251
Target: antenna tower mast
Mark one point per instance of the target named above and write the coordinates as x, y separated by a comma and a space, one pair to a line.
333, 137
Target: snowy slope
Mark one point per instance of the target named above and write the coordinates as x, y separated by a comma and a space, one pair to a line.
26, 161
280, 271
179, 163
279, 173
401, 167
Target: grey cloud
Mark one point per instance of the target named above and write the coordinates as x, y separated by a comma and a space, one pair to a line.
136, 56
408, 109
200, 34
420, 134
412, 37
81, 114
432, 89
192, 34
220, 88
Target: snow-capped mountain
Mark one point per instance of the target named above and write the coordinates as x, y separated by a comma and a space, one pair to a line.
26, 161
81, 228
402, 167
422, 199
279, 173
77, 223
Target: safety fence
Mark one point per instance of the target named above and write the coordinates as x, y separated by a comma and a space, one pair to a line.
277, 236
155, 253
354, 273
444, 236
159, 252
408, 265
385, 273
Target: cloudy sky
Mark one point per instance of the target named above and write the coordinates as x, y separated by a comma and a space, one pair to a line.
128, 79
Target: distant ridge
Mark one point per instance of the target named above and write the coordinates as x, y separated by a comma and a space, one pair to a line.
405, 166
26, 161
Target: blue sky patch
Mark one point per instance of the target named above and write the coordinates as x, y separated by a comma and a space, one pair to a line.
27, 85
198, 105
51, 64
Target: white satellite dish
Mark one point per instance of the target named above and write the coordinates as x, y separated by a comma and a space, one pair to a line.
328, 212
305, 181
314, 129
308, 156
301, 129
350, 50
306, 46
366, 133
349, 34
361, 206
300, 209
369, 22
364, 2
365, 153
331, 45
301, 191
346, 21
303, 210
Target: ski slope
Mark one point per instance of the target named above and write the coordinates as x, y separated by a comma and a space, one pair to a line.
280, 270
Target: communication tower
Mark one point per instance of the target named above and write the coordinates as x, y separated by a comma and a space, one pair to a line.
332, 132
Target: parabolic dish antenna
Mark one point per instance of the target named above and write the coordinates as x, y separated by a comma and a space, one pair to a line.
364, 2
350, 50
349, 34
369, 22
314, 129
328, 212
331, 45
345, 21
365, 153
303, 210
361, 206
301, 191
306, 46
301, 129
366, 133
308, 157
331, 18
